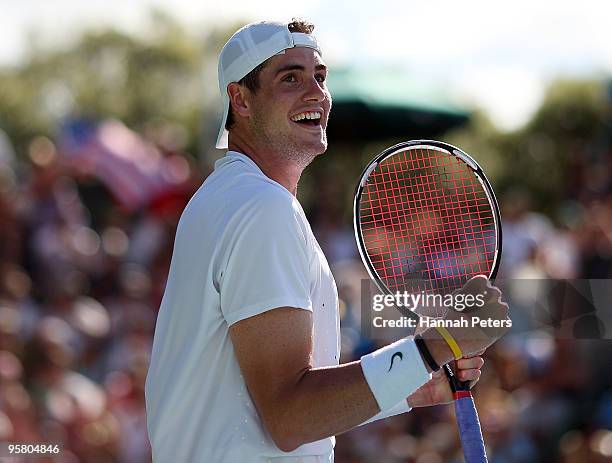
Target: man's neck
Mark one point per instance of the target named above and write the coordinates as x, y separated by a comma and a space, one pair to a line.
281, 170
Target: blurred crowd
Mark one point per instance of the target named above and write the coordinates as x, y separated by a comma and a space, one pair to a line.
81, 279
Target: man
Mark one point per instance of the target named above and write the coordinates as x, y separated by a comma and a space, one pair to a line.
245, 356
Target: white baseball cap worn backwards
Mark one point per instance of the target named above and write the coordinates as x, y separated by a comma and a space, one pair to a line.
247, 49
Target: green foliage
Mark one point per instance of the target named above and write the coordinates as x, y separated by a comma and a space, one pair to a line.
571, 110
112, 74
539, 157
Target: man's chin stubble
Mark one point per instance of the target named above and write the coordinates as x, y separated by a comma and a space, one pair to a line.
286, 147
302, 155
297, 151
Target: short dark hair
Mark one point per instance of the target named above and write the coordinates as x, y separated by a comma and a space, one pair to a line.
251, 80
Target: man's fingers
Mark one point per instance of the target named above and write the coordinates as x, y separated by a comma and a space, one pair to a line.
492, 293
468, 363
480, 284
469, 375
475, 285
468, 369
486, 322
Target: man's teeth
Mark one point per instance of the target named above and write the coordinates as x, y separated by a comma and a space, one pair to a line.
301, 116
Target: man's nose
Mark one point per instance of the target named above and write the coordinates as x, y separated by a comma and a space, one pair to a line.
315, 90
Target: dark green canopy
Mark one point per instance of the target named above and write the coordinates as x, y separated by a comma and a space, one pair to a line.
386, 103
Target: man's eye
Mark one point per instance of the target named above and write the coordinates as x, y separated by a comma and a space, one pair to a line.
320, 77
289, 78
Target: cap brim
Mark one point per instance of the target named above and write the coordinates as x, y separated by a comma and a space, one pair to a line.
222, 137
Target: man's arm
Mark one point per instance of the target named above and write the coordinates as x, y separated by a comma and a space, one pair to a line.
298, 403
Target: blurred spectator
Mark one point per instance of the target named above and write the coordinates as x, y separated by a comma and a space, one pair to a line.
523, 231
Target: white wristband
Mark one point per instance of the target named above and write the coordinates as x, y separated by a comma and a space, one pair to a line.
401, 407
394, 372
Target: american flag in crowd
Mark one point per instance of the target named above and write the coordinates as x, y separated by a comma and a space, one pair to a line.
133, 169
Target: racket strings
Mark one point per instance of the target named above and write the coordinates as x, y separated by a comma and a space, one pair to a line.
426, 221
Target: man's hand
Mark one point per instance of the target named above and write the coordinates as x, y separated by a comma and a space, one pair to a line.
477, 337
437, 390
472, 336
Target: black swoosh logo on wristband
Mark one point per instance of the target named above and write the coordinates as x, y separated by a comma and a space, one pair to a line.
397, 354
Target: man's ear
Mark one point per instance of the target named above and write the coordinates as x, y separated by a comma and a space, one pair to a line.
238, 99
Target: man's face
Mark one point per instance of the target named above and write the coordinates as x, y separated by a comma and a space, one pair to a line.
291, 108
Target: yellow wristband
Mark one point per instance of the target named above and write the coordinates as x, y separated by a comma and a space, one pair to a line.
450, 341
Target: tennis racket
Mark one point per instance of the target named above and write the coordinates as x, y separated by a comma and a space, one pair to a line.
426, 220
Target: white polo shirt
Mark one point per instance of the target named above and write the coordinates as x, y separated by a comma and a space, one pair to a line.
243, 246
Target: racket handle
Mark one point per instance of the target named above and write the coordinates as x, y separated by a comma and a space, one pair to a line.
469, 428
467, 420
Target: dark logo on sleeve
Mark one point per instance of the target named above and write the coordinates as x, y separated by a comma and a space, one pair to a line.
397, 354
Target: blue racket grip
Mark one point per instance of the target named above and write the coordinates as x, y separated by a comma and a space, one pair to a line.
469, 428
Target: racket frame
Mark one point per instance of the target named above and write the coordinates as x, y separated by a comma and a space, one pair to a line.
450, 149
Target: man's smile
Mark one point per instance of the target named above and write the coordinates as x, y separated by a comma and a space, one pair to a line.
308, 119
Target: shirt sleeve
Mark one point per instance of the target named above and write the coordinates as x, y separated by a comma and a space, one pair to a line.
267, 264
